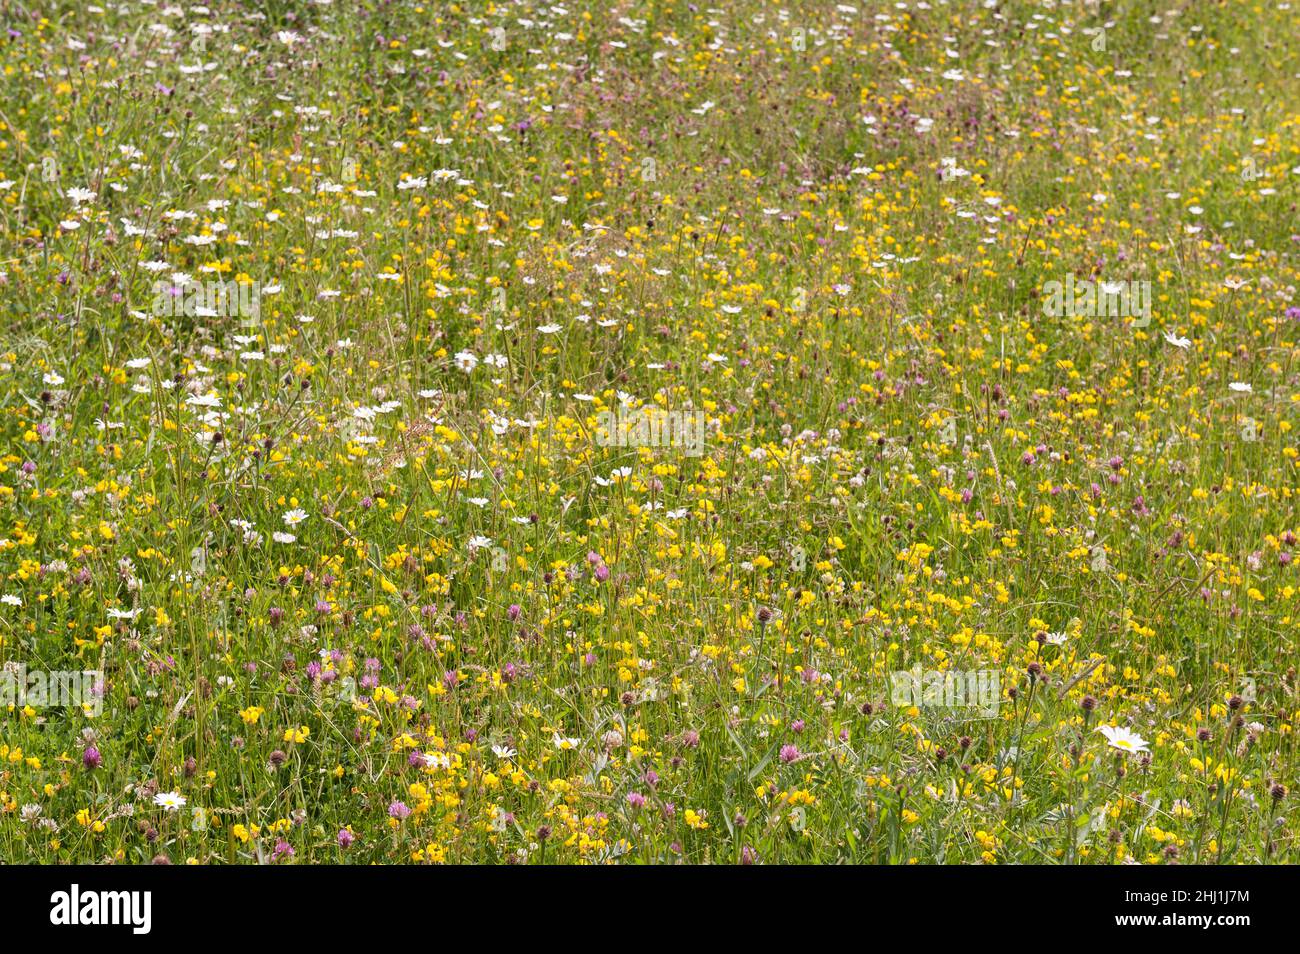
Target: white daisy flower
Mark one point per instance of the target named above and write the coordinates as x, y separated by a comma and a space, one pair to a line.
1123, 739
171, 801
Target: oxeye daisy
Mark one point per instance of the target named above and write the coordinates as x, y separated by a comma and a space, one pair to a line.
169, 801
1123, 739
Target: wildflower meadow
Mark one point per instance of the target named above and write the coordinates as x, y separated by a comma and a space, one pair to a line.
652, 432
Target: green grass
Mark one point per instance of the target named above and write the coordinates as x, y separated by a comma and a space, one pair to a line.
908, 461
